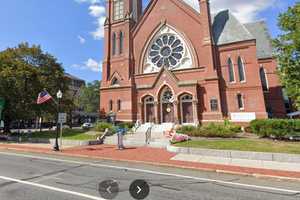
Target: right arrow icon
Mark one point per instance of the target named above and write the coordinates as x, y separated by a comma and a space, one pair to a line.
139, 189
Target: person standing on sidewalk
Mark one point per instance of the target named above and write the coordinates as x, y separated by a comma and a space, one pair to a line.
121, 132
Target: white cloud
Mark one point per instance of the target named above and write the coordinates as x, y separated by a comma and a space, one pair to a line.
88, 1
245, 11
90, 64
97, 11
98, 34
81, 39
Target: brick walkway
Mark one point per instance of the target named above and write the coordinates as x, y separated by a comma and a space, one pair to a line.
153, 156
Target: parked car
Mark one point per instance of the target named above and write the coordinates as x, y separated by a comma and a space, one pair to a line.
87, 125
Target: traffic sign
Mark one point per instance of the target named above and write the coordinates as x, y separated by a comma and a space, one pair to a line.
62, 118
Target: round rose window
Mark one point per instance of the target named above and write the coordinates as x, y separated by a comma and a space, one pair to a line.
167, 50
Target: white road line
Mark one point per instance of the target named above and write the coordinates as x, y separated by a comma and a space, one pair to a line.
51, 188
157, 173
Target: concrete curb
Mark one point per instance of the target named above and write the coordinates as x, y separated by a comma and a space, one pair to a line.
277, 157
52, 141
160, 164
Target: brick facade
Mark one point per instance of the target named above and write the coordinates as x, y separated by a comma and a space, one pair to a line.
202, 92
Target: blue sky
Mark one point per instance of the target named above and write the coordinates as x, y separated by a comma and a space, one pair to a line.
71, 30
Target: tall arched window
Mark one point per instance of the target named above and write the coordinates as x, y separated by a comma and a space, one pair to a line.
263, 78
118, 9
114, 43
241, 69
231, 70
121, 42
111, 105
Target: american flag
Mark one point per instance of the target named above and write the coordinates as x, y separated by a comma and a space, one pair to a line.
43, 97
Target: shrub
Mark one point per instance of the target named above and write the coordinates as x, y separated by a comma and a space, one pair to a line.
276, 128
100, 127
226, 130
189, 130
126, 125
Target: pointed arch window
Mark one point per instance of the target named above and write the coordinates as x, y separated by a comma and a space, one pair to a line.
121, 41
118, 9
231, 70
241, 69
263, 78
114, 43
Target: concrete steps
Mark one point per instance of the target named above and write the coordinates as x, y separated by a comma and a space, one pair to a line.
138, 139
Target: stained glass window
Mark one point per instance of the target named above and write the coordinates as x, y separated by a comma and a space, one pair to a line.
167, 50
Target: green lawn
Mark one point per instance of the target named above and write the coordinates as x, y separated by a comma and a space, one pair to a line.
256, 145
69, 134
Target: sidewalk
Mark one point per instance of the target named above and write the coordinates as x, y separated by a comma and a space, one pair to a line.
154, 156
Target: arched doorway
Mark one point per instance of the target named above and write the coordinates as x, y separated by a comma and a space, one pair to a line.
149, 110
186, 109
167, 106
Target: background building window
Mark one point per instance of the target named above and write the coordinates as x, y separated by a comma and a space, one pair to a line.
241, 69
231, 70
121, 42
119, 105
263, 78
111, 105
118, 9
214, 105
114, 44
240, 101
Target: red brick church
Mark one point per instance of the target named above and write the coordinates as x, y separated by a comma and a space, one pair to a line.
174, 63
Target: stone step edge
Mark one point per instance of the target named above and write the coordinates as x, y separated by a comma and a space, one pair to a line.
248, 155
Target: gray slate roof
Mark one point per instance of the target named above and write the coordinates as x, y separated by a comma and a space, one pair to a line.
227, 29
263, 39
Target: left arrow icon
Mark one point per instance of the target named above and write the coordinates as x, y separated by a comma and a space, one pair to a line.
108, 189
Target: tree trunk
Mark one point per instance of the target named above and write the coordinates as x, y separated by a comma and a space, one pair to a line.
7, 122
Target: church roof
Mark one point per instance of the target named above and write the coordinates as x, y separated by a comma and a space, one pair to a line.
228, 29
263, 39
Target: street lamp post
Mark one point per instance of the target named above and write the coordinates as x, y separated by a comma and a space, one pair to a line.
59, 97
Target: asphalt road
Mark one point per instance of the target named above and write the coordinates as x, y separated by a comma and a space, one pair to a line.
40, 177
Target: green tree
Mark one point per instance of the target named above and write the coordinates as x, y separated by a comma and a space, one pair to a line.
24, 72
288, 52
89, 97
